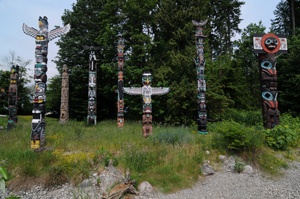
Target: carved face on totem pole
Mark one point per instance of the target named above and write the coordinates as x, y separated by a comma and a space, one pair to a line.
271, 43
147, 78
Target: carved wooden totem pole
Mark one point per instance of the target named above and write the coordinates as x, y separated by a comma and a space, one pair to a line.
266, 46
42, 37
13, 98
120, 116
146, 91
200, 65
92, 87
64, 104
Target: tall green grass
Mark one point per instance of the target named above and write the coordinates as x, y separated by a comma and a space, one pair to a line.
170, 159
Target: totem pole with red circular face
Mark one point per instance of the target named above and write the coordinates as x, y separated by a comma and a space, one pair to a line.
266, 46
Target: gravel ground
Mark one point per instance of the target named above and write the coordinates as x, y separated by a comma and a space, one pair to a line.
221, 185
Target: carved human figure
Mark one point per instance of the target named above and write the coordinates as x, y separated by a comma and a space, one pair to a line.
146, 91
64, 104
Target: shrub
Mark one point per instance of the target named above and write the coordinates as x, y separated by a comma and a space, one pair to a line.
249, 118
236, 137
104, 156
172, 136
281, 137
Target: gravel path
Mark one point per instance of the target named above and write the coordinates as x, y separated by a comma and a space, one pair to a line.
221, 185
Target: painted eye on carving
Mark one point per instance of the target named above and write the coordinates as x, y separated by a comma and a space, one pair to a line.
268, 41
276, 96
266, 64
267, 95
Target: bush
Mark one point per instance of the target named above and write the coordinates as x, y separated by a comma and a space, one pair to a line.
172, 136
281, 137
236, 137
249, 118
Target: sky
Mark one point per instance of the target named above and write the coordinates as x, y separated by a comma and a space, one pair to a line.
13, 13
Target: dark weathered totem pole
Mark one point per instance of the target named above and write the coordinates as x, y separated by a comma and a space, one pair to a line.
146, 91
120, 116
200, 65
92, 87
13, 98
42, 37
266, 46
64, 104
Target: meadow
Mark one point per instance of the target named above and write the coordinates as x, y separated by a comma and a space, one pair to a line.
170, 159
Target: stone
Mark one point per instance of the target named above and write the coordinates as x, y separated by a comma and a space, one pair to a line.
207, 169
248, 169
207, 152
222, 158
109, 177
85, 183
145, 188
1, 128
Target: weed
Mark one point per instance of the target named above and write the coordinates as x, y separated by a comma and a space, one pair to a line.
281, 137
239, 167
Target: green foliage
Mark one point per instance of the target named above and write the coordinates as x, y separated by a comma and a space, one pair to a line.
172, 136
281, 137
238, 166
237, 138
249, 118
3, 178
104, 156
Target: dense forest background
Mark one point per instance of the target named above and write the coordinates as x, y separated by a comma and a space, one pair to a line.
160, 38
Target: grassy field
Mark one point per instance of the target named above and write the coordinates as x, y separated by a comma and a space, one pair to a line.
170, 159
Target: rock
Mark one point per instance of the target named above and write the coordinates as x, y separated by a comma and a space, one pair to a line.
85, 183
248, 169
207, 169
109, 177
1, 128
145, 188
207, 152
222, 157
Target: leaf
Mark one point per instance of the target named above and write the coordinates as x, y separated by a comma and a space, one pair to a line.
3, 173
2, 185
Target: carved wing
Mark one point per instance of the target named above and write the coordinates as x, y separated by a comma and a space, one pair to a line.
59, 32
201, 23
30, 31
133, 90
160, 91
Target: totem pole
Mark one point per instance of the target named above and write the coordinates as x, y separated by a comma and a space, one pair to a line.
200, 65
147, 91
64, 104
42, 37
92, 89
120, 116
13, 98
266, 46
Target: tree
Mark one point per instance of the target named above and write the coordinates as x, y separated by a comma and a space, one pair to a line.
287, 17
225, 17
247, 62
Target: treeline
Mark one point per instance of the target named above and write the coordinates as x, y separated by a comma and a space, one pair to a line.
160, 38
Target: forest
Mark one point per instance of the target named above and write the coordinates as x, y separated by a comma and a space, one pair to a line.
159, 38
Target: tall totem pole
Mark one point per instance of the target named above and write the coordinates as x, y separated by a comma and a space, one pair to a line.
64, 104
92, 88
266, 46
120, 116
13, 98
146, 91
42, 37
200, 65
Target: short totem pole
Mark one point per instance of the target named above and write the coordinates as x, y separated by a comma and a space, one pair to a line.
266, 46
200, 65
42, 37
120, 116
92, 87
13, 98
146, 91
64, 104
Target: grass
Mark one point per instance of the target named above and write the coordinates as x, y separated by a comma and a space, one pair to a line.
170, 159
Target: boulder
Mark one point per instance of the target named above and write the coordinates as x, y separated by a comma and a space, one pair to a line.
145, 188
248, 169
207, 169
